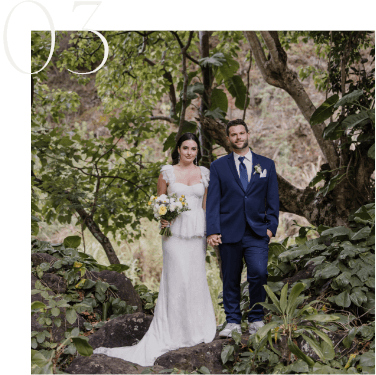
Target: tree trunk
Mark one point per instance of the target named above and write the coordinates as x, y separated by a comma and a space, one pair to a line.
205, 138
335, 207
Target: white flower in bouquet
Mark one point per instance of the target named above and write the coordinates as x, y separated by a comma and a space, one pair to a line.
173, 207
179, 204
156, 215
162, 198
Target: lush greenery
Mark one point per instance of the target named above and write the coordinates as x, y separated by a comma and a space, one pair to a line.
102, 183
337, 297
86, 298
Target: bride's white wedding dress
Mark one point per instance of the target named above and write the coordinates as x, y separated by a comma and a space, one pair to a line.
184, 314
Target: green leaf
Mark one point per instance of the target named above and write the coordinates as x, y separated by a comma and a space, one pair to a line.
314, 346
332, 131
371, 114
337, 231
101, 287
228, 69
72, 242
372, 152
357, 296
82, 346
295, 350
193, 90
294, 294
367, 359
169, 142
273, 298
349, 98
38, 305
347, 341
204, 370
363, 233
216, 113
88, 284
322, 318
227, 353
38, 358
353, 120
343, 299
55, 311
71, 315
218, 59
330, 271
263, 331
325, 110
283, 299
219, 100
237, 89
237, 337
299, 366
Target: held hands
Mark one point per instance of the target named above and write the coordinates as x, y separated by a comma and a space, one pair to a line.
214, 239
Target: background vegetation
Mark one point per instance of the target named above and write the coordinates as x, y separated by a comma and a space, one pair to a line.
98, 141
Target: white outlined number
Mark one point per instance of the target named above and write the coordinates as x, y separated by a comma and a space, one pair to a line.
6, 47
103, 39
52, 27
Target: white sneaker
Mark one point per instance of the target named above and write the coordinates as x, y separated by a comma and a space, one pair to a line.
226, 332
255, 326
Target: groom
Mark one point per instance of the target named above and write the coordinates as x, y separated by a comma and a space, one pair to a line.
242, 211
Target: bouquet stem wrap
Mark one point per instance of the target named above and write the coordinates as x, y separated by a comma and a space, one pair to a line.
166, 231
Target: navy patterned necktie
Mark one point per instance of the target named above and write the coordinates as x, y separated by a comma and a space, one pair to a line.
243, 172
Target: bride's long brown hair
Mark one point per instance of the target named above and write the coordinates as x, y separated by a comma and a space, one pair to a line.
185, 137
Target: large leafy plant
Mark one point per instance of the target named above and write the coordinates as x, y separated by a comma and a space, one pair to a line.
344, 259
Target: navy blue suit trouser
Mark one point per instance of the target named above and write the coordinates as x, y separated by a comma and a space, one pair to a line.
255, 251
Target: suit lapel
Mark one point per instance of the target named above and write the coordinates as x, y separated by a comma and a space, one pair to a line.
231, 163
253, 176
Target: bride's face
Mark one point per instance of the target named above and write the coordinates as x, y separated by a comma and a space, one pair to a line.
188, 151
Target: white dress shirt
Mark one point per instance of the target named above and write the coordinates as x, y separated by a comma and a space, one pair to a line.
247, 161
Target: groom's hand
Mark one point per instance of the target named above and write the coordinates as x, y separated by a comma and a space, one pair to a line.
269, 233
214, 239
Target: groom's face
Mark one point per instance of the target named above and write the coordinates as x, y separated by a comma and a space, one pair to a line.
238, 137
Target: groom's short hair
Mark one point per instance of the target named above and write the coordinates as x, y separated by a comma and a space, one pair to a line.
234, 123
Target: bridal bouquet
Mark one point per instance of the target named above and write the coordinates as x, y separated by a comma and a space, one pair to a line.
167, 207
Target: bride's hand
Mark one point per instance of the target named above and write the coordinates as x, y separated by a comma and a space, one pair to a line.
164, 223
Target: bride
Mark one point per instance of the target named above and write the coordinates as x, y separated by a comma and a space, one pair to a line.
184, 313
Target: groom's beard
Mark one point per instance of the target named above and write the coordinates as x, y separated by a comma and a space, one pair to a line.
240, 146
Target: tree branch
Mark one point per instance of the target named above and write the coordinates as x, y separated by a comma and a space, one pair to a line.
175, 34
86, 218
185, 86
276, 73
164, 118
172, 94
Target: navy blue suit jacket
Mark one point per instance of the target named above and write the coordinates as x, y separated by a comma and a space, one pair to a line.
229, 206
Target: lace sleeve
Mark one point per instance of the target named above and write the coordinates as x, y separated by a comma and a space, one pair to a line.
205, 173
168, 174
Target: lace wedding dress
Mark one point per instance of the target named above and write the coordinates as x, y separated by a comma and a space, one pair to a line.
184, 314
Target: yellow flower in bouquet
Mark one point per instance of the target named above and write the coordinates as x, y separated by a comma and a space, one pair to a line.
162, 210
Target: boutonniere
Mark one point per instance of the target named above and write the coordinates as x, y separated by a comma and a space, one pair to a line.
258, 169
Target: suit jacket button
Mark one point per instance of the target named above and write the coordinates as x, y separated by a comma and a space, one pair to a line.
245, 197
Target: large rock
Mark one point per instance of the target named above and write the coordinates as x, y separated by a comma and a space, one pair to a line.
57, 332
55, 282
124, 330
102, 364
192, 358
126, 290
